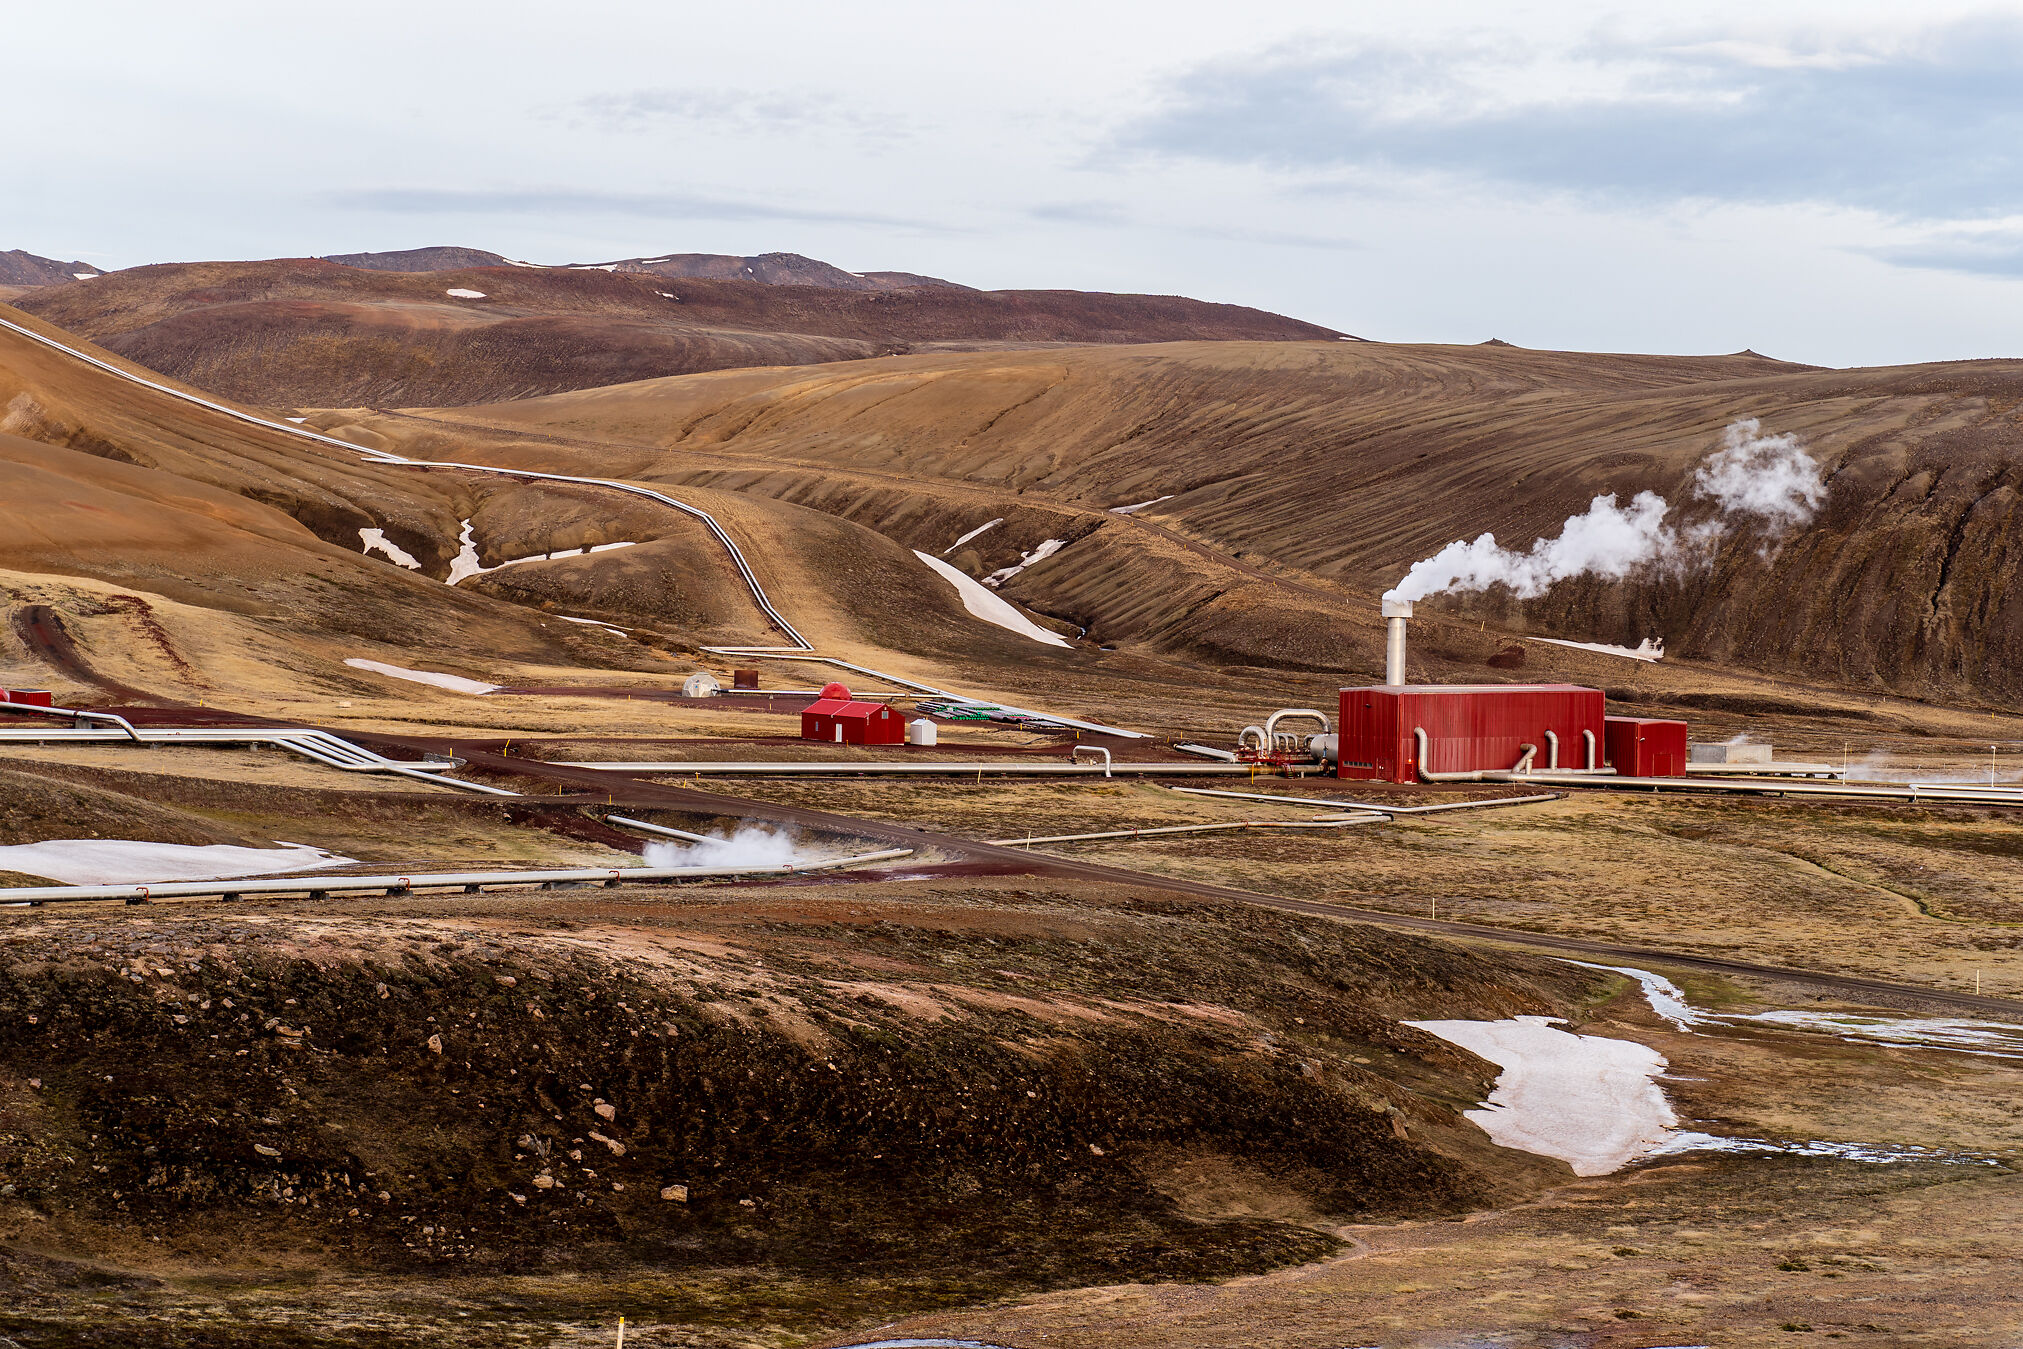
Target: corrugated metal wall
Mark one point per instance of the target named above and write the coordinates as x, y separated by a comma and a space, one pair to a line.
1469, 727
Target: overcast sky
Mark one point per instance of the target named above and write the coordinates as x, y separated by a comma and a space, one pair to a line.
1839, 183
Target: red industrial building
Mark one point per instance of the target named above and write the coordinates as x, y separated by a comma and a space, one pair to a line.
1400, 732
837, 718
28, 697
1465, 729
1646, 747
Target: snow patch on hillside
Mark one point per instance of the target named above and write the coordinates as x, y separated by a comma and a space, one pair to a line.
454, 683
1590, 1101
988, 607
466, 565
1039, 554
118, 861
988, 524
1647, 649
459, 293
375, 541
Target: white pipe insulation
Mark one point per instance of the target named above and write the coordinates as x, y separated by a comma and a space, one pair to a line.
1395, 614
1522, 765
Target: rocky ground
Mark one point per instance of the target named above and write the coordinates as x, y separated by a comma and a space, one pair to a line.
681, 1108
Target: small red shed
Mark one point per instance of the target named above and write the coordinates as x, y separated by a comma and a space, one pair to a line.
29, 697
1647, 747
1469, 728
837, 718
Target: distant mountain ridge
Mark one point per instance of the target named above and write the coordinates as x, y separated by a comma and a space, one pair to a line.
308, 332
18, 268
768, 269
443, 258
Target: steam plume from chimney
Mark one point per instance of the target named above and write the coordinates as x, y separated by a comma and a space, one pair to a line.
1769, 482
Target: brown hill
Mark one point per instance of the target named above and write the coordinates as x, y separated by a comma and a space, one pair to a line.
772, 269
437, 259
248, 547
1298, 475
313, 333
26, 269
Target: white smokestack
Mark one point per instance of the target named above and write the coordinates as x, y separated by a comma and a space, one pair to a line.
1396, 611
1769, 481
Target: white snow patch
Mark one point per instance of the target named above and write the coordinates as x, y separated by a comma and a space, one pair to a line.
458, 292
510, 262
466, 565
1992, 1039
83, 276
1644, 650
988, 607
1588, 1100
375, 541
1689, 1141
591, 623
297, 420
454, 683
1667, 999
118, 861
1039, 554
1126, 510
988, 524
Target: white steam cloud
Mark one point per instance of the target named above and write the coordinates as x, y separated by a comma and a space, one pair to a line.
1769, 477
750, 845
1769, 482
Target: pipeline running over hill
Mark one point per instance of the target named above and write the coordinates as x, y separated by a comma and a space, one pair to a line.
801, 648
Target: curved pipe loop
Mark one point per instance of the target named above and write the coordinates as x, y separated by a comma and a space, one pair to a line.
1523, 764
1092, 749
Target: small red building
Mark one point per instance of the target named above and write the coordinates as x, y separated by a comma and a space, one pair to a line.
1647, 747
28, 697
1469, 728
837, 718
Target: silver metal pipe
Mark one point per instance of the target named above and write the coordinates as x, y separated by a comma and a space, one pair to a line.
1341, 822
957, 769
1325, 803
469, 881
1523, 764
1594, 757
1551, 749
1395, 614
1913, 793
645, 828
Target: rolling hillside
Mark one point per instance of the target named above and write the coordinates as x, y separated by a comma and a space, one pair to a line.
312, 333
1333, 467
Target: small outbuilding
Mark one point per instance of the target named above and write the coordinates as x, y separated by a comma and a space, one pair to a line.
1646, 747
839, 719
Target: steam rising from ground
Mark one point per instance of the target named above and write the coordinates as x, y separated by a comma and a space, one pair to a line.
1768, 483
750, 845
1769, 477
